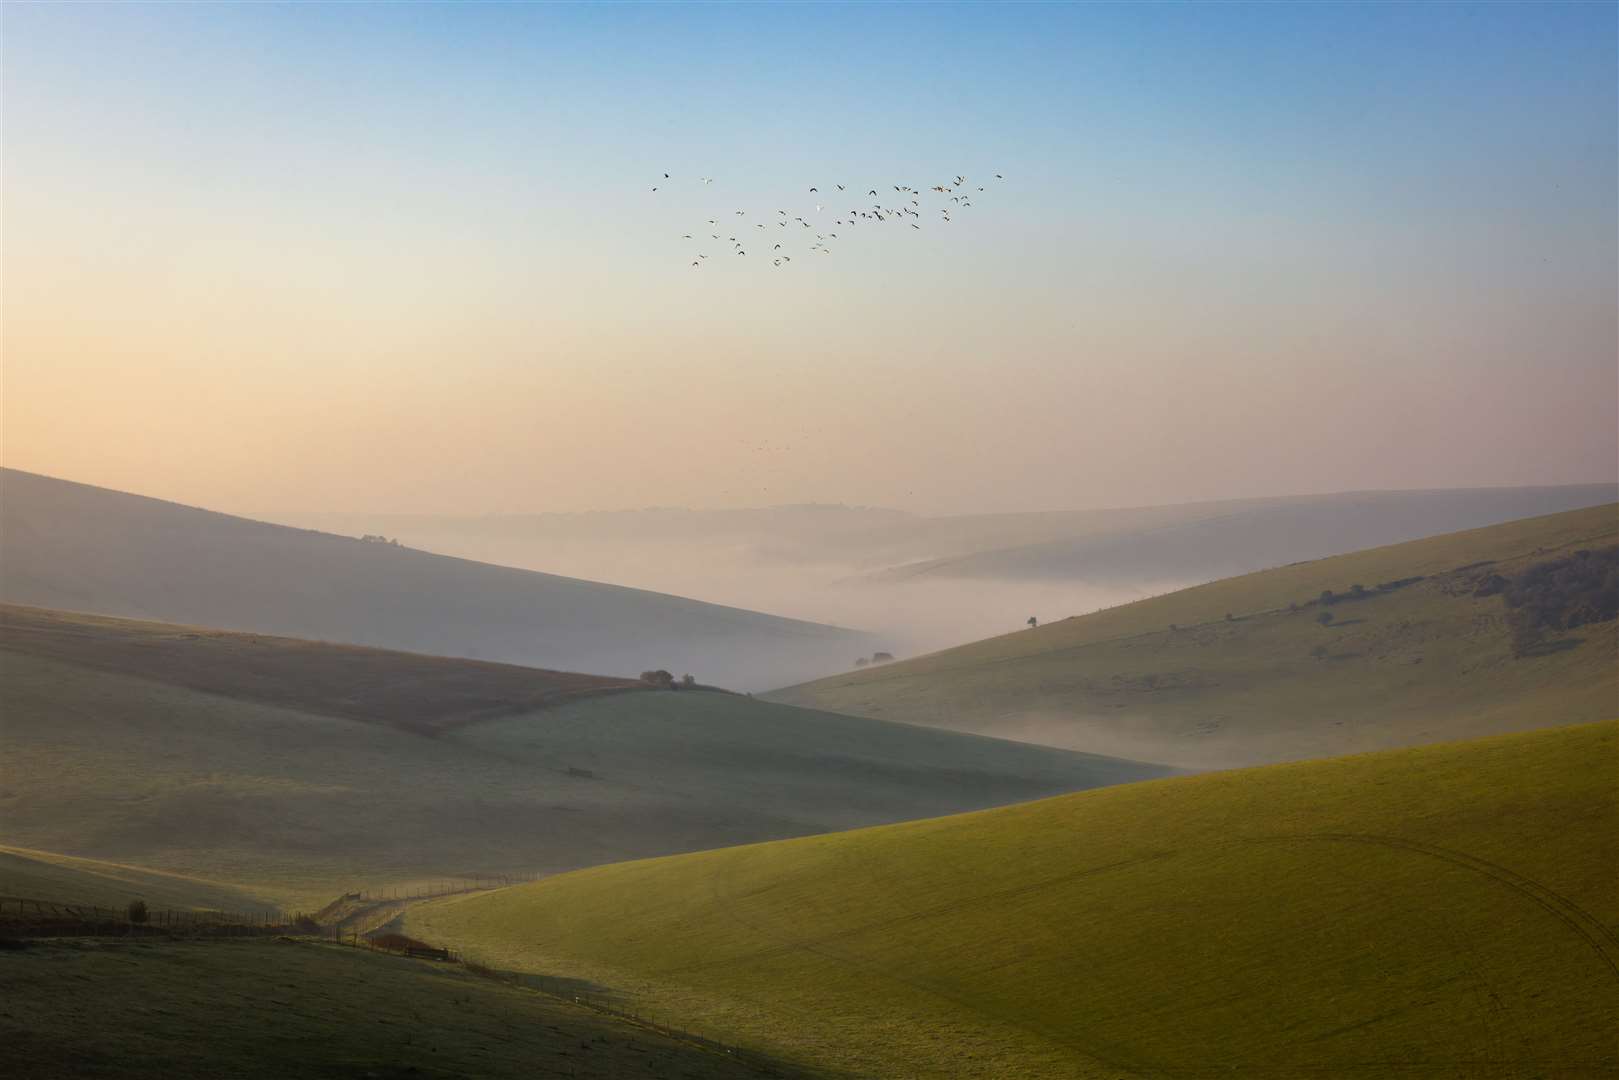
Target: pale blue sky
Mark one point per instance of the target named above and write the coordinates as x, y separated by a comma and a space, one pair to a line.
1241, 249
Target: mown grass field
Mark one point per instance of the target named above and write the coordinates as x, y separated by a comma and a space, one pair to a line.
282, 1010
1422, 663
1447, 911
365, 789
46, 875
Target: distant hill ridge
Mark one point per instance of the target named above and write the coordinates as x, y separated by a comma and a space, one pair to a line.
81, 548
1208, 540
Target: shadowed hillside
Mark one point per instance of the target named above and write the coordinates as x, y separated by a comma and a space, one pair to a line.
45, 875
424, 694
1413, 645
1446, 912
280, 1010
83, 548
293, 790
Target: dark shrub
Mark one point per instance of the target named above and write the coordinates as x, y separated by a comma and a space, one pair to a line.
1561, 594
1325, 618
137, 911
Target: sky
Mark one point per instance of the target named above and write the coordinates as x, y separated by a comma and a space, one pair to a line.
407, 258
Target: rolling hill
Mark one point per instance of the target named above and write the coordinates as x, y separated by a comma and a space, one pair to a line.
295, 770
280, 1010
1327, 918
81, 548
1196, 542
921, 582
1240, 671
46, 875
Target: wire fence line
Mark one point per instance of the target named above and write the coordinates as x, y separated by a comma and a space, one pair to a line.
32, 917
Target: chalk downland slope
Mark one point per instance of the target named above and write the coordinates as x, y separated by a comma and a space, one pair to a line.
279, 1010
1422, 654
255, 761
1327, 918
46, 875
81, 548
410, 691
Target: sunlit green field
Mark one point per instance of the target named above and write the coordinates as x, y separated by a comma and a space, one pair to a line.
1421, 663
1448, 911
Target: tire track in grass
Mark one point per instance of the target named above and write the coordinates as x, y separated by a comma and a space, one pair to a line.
1592, 930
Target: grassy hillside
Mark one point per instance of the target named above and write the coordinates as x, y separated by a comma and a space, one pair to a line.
80, 548
295, 790
1441, 912
1173, 679
46, 875
425, 694
284, 1011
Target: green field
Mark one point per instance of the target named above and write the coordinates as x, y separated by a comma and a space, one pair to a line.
1425, 662
282, 1010
1441, 912
295, 789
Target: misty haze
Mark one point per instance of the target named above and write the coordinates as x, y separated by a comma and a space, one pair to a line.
809, 541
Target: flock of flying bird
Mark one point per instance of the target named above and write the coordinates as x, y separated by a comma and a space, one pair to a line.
903, 207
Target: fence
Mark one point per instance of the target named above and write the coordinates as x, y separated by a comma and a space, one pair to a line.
430, 890
29, 917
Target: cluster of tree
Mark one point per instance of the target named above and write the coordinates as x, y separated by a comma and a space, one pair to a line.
1360, 592
1559, 594
378, 538
876, 658
663, 680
